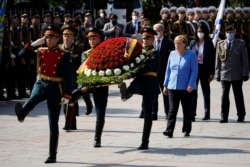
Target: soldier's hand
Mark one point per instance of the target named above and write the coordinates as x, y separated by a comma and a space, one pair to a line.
12, 55
38, 42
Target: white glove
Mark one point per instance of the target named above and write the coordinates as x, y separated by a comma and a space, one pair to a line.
13, 56
65, 101
38, 42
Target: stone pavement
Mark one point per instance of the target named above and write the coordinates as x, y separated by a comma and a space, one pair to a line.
210, 144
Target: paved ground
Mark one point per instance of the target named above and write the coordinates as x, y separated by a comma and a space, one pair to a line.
210, 144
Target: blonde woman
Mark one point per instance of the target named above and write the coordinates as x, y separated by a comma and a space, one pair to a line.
180, 81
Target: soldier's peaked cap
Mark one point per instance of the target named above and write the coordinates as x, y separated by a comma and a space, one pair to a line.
52, 30
92, 31
146, 31
230, 28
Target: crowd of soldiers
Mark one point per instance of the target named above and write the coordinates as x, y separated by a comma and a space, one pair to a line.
18, 74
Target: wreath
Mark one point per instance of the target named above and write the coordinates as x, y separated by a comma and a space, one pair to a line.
111, 62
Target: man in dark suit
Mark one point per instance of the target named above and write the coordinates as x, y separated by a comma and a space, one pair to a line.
164, 46
232, 69
132, 28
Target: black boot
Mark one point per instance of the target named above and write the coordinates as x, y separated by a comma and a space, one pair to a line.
23, 111
145, 136
125, 93
98, 133
89, 105
53, 143
76, 94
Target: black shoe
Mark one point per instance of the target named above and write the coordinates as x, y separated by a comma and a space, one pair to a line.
240, 120
206, 118
223, 121
50, 159
68, 128
19, 112
89, 110
154, 116
186, 134
193, 119
167, 133
141, 115
125, 94
143, 146
97, 144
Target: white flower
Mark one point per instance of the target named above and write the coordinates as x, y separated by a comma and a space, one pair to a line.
101, 73
117, 71
94, 72
125, 67
108, 72
137, 60
88, 72
132, 65
142, 56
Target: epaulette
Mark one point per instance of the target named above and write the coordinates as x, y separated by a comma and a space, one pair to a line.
61, 47
42, 48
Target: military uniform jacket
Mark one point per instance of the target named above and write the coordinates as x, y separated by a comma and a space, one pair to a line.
231, 64
55, 63
145, 82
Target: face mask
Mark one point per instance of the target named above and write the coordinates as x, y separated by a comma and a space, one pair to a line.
134, 18
230, 36
101, 14
158, 35
200, 34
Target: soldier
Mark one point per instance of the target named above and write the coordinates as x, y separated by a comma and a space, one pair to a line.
172, 18
24, 37
54, 84
190, 24
67, 17
145, 83
4, 58
164, 13
57, 20
13, 52
197, 17
88, 21
231, 69
69, 33
211, 19
180, 26
246, 29
229, 20
47, 20
239, 22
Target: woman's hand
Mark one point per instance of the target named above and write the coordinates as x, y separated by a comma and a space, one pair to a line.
189, 89
165, 91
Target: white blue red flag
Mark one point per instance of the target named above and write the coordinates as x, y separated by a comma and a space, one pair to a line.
218, 21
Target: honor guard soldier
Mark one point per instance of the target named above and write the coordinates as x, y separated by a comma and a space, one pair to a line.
246, 29
24, 37
172, 18
190, 24
180, 26
54, 83
164, 13
47, 20
14, 49
229, 20
4, 58
145, 83
197, 17
238, 22
231, 69
211, 20
71, 111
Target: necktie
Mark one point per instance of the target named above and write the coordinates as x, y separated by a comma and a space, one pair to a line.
229, 45
158, 45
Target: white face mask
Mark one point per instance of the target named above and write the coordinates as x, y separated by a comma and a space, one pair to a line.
101, 14
200, 34
134, 18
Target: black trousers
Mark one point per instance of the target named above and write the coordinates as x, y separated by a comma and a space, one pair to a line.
175, 98
238, 96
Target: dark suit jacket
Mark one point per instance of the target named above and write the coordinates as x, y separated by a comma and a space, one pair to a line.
166, 47
129, 29
208, 66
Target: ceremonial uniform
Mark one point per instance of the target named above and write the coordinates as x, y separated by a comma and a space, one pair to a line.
55, 76
231, 69
146, 84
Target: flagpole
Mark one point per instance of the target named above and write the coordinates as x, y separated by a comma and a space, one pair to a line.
218, 21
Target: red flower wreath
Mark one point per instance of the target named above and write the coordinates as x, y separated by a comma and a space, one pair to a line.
112, 61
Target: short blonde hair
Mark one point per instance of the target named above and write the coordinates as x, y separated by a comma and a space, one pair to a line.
181, 38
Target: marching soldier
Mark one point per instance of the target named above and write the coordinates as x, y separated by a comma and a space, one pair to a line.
69, 33
54, 84
145, 83
231, 69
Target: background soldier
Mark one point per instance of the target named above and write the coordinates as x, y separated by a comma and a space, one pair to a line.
164, 13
